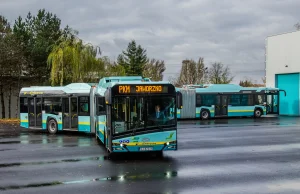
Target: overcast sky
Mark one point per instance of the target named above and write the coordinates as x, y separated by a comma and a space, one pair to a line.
232, 32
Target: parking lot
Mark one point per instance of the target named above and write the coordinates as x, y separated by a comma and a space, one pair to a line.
215, 156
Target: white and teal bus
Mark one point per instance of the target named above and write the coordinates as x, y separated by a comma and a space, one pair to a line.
121, 111
227, 100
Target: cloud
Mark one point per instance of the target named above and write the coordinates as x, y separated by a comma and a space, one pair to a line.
232, 32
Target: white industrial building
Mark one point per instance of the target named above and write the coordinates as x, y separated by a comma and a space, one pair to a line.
283, 70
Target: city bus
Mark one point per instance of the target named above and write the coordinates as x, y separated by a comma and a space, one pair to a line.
127, 113
227, 100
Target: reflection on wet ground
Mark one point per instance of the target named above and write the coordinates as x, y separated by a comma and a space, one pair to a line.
51, 162
238, 122
214, 156
120, 178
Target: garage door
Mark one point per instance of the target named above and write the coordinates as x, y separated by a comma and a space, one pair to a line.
289, 104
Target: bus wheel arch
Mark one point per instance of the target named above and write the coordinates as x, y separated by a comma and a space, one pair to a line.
52, 126
204, 114
258, 112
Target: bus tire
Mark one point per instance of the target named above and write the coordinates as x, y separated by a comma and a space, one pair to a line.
257, 113
52, 126
204, 114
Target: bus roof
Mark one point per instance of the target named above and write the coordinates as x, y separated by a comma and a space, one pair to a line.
106, 82
211, 88
84, 88
74, 88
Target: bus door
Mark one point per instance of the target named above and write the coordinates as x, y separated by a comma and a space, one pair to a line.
66, 113
221, 105
272, 104
109, 129
31, 112
38, 112
74, 113
35, 112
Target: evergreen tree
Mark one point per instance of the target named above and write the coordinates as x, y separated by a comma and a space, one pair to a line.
37, 35
133, 59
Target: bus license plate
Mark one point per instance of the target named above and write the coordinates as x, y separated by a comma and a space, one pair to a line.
146, 149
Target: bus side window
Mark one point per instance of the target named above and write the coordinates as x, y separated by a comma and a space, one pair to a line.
247, 100
258, 99
208, 99
101, 106
23, 105
84, 106
234, 100
198, 100
52, 105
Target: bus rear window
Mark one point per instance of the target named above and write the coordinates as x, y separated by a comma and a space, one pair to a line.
84, 106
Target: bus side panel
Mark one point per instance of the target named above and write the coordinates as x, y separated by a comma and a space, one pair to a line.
101, 127
148, 142
178, 114
84, 123
44, 120
210, 109
236, 111
59, 121
57, 118
198, 110
24, 120
262, 108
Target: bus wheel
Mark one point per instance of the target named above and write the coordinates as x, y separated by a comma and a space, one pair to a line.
204, 114
257, 113
52, 126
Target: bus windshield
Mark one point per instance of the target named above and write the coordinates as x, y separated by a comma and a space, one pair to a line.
139, 113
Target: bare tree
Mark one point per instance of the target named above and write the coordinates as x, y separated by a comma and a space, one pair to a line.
264, 80
297, 26
174, 80
201, 71
154, 69
219, 74
188, 74
246, 83
191, 73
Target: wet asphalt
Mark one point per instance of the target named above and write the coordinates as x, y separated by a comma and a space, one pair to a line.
215, 156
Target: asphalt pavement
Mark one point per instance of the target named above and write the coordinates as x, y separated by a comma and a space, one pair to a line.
215, 156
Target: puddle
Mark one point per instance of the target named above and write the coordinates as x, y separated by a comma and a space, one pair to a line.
6, 150
121, 178
52, 162
10, 142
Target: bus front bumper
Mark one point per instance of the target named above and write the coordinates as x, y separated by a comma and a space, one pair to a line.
149, 147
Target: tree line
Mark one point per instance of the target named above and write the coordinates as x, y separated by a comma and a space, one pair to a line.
38, 50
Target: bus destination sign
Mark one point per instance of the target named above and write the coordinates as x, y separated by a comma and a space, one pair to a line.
134, 89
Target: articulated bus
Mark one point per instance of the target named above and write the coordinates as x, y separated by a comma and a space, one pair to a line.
227, 100
127, 114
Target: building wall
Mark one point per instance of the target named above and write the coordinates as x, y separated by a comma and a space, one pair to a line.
289, 104
282, 55
282, 70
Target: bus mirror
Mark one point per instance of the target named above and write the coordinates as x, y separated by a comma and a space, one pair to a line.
283, 91
107, 96
179, 100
